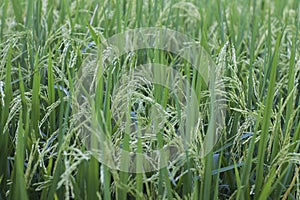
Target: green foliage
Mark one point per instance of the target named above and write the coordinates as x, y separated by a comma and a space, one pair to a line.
46, 45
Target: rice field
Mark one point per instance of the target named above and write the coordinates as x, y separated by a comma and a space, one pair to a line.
169, 99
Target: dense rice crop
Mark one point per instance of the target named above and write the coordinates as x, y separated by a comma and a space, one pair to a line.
51, 50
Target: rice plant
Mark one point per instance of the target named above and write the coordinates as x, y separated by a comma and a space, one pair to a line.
84, 119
